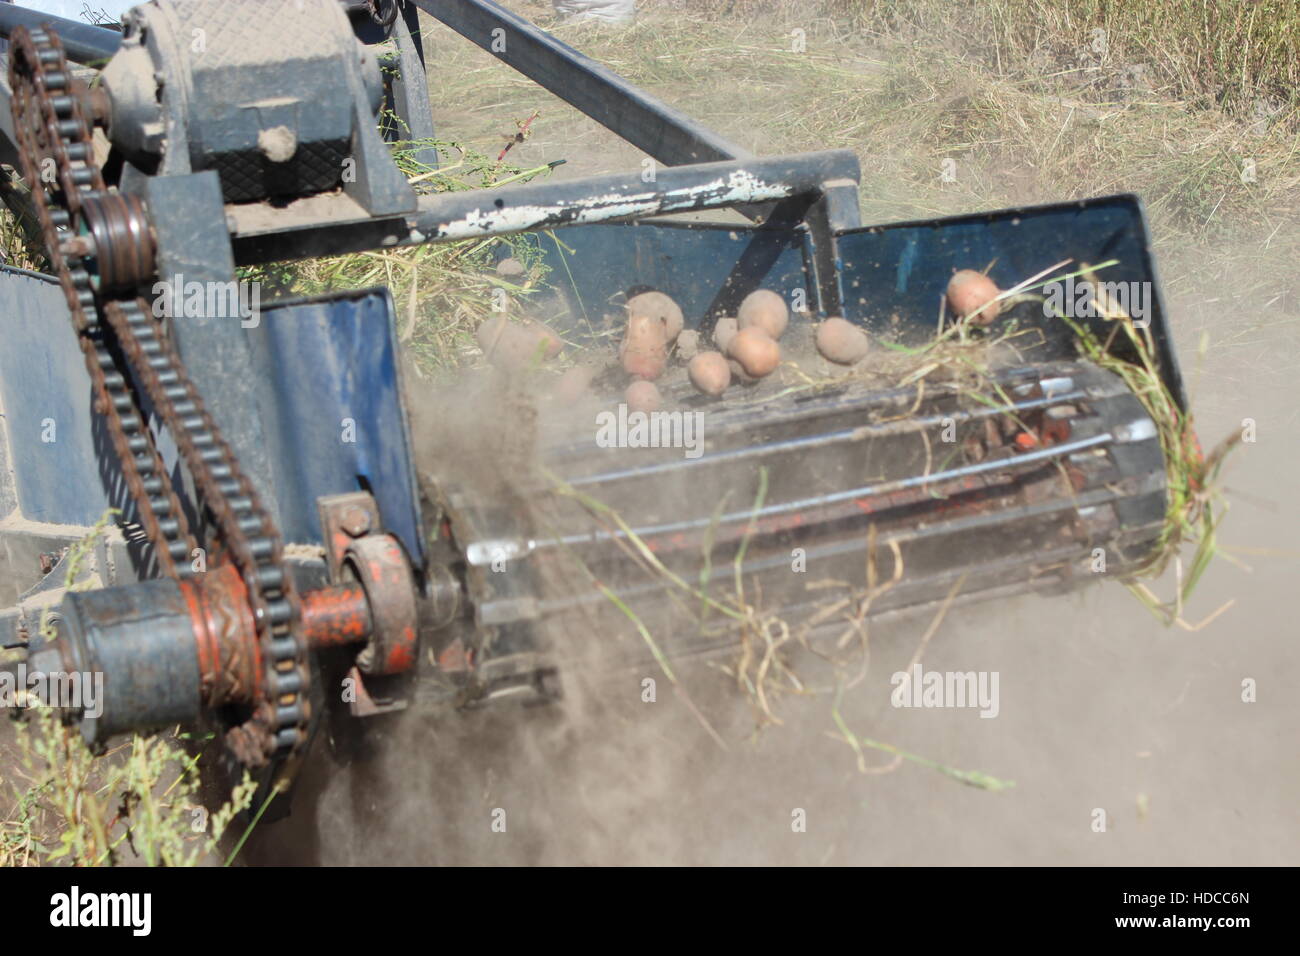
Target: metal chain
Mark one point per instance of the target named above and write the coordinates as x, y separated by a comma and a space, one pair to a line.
51, 126
48, 123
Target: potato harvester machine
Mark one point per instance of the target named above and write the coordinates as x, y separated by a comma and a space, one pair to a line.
274, 534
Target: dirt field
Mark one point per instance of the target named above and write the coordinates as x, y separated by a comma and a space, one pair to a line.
1101, 706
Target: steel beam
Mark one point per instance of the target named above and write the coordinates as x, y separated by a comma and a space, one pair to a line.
649, 124
324, 226
82, 42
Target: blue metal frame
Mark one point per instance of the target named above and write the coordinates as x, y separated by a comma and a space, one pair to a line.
329, 359
896, 269
317, 362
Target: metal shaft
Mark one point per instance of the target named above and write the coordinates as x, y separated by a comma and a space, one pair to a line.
311, 232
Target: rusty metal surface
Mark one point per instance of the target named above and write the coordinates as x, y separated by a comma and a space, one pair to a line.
378, 562
50, 125
343, 518
336, 616
225, 637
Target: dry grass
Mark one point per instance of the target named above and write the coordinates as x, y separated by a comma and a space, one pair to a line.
441, 292
65, 805
1242, 55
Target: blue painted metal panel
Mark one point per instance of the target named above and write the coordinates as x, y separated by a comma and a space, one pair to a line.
591, 266
903, 268
316, 364
45, 393
900, 269
332, 409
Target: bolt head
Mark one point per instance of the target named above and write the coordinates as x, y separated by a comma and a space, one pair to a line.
355, 521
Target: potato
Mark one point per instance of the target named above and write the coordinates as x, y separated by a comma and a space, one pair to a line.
510, 267
553, 344
765, 310
574, 383
642, 396
645, 348
662, 308
688, 345
724, 331
968, 290
738, 374
709, 373
756, 351
517, 345
841, 341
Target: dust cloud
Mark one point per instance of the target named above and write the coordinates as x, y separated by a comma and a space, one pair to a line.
1101, 707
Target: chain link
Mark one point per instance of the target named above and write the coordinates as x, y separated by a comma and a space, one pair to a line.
121, 333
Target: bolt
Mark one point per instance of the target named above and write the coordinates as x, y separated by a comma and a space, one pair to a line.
355, 521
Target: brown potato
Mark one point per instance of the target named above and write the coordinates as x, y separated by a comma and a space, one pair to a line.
738, 374
642, 396
841, 341
724, 330
709, 373
517, 345
574, 383
968, 290
553, 344
756, 351
645, 349
765, 310
660, 306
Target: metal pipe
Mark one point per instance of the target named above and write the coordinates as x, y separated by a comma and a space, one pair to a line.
480, 553
1020, 462
336, 616
82, 42
305, 230
649, 124
809, 442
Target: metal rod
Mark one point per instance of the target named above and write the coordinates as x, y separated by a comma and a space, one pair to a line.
859, 543
868, 491
844, 435
484, 552
336, 616
305, 230
652, 126
82, 42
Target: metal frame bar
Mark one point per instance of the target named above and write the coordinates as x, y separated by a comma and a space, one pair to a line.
308, 231
82, 42
651, 125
